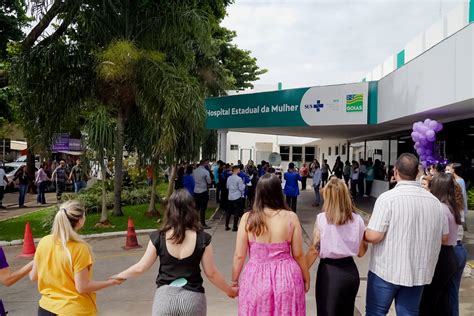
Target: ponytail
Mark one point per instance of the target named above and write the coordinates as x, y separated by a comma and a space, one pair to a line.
65, 221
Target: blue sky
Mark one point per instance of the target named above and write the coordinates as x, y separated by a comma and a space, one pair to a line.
306, 43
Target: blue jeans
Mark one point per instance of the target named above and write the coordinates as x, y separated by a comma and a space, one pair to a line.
380, 295
461, 256
318, 194
41, 189
21, 198
79, 185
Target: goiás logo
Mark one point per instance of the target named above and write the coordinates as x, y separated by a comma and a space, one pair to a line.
354, 102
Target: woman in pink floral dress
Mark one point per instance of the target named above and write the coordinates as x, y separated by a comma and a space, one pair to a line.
275, 278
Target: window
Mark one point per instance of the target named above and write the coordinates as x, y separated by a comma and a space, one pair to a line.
343, 150
329, 151
309, 154
234, 147
337, 150
285, 153
297, 153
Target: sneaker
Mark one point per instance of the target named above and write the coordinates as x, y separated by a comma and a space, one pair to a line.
227, 228
234, 229
3, 207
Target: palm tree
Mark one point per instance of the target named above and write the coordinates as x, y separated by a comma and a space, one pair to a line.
99, 129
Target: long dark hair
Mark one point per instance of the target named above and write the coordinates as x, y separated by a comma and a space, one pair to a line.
268, 194
180, 215
442, 186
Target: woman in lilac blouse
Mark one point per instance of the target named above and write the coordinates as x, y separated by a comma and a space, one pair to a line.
338, 236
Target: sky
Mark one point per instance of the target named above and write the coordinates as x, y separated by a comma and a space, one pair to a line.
314, 42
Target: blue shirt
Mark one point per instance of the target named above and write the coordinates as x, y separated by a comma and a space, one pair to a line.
245, 179
216, 174
188, 183
291, 184
317, 177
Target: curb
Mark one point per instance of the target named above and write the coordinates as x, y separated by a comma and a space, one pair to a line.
19, 242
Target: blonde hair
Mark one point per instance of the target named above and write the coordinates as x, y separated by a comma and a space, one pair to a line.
338, 204
65, 221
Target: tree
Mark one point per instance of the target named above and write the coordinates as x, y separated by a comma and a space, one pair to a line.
158, 57
99, 131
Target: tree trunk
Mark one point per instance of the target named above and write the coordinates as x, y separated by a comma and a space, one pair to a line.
30, 168
152, 211
118, 178
171, 182
104, 215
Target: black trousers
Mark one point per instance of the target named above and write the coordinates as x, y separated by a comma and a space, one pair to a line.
236, 208
291, 201
360, 185
324, 179
43, 312
218, 192
368, 187
60, 188
201, 200
303, 183
337, 283
435, 298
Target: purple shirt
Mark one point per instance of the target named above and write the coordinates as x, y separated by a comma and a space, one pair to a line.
41, 176
3, 260
340, 241
453, 227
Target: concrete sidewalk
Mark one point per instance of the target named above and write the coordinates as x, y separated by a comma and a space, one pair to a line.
135, 296
10, 201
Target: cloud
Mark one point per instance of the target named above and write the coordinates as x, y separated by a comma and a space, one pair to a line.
304, 43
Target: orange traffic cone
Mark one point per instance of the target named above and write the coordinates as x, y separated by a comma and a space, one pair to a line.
131, 242
28, 243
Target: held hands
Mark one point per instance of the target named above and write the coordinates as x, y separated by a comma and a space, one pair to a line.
307, 285
116, 280
234, 289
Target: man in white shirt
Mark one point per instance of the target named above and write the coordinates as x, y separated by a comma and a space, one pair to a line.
236, 188
406, 228
3, 183
202, 180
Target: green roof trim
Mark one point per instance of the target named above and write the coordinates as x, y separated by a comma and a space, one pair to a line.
401, 58
372, 103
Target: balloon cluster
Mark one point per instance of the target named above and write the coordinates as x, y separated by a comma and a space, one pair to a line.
424, 137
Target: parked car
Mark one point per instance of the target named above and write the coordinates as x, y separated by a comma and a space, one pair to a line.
23, 159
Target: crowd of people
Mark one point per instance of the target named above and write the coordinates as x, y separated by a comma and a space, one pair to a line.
416, 259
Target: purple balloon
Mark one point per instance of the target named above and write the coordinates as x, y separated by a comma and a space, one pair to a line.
427, 122
417, 145
433, 125
439, 127
424, 142
423, 129
428, 151
431, 139
430, 134
420, 151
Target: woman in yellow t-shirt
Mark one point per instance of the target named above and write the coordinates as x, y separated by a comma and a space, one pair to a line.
63, 267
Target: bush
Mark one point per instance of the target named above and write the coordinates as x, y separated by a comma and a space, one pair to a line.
470, 199
92, 197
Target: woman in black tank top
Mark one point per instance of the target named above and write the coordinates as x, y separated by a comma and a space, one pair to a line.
179, 281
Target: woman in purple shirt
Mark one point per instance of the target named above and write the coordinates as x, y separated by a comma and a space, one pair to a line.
338, 236
435, 299
8, 277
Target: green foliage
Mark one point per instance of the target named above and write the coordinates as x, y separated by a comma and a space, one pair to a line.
13, 229
92, 198
470, 199
12, 19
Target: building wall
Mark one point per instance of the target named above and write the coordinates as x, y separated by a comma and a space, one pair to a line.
426, 84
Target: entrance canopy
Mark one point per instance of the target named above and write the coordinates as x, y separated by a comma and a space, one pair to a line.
346, 104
